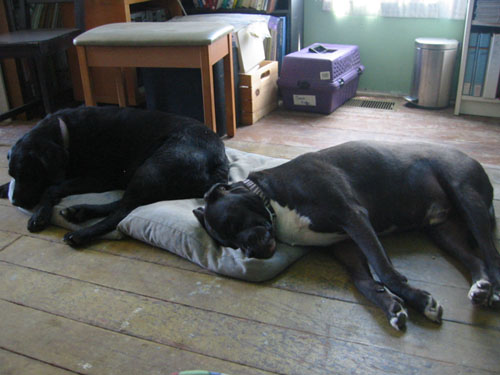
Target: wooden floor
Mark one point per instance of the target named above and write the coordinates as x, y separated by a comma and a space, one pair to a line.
126, 308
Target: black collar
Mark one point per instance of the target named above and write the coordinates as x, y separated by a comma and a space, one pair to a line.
250, 185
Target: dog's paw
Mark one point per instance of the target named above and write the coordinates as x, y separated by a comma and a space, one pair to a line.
433, 310
480, 292
73, 239
398, 316
495, 298
74, 214
38, 223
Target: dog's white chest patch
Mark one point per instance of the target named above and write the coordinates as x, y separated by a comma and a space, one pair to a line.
10, 193
294, 229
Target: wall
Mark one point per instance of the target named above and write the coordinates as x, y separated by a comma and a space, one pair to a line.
386, 44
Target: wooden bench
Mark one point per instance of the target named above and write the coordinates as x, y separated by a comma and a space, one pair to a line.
161, 45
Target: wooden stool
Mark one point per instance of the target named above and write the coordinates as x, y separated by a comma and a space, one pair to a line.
161, 45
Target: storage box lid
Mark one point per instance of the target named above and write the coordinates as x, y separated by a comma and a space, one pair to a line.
320, 62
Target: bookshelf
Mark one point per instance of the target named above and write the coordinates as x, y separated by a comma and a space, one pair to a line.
467, 104
293, 10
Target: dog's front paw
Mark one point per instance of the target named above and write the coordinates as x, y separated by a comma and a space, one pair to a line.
495, 298
74, 214
480, 292
38, 222
74, 239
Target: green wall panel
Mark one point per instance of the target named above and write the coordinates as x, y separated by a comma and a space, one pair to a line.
387, 45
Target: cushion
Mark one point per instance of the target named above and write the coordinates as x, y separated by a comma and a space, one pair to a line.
90, 198
143, 34
172, 226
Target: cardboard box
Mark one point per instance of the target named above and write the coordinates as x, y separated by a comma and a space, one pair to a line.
258, 92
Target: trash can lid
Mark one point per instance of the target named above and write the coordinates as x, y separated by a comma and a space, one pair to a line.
436, 43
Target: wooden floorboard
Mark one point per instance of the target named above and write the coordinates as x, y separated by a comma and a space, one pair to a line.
124, 307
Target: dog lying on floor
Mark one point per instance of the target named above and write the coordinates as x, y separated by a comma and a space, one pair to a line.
359, 190
153, 156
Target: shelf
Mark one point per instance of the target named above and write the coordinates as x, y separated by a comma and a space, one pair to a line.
473, 105
480, 99
476, 23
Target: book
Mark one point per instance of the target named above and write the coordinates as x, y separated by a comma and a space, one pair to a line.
487, 11
471, 62
271, 43
481, 61
4, 100
271, 5
36, 13
281, 43
492, 69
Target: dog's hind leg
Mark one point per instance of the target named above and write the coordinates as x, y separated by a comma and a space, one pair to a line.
357, 266
83, 212
473, 198
360, 230
454, 237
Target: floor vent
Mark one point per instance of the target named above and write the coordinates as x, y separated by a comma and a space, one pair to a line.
375, 104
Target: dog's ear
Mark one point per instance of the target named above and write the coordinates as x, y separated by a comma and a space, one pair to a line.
200, 215
54, 160
216, 191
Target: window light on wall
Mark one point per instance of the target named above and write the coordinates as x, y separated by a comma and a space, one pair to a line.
451, 9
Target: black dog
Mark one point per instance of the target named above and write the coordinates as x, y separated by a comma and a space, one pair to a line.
153, 156
357, 190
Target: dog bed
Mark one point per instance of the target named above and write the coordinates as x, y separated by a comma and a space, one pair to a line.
171, 225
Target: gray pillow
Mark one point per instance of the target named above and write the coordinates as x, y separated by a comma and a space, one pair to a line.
171, 225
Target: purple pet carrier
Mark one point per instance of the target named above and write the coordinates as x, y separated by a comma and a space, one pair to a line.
320, 78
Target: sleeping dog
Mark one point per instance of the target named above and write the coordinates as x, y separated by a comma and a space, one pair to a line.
358, 190
153, 156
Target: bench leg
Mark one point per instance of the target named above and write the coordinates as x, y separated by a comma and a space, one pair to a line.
229, 89
120, 87
207, 84
88, 92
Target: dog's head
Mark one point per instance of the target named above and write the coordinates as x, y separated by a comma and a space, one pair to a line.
238, 218
35, 163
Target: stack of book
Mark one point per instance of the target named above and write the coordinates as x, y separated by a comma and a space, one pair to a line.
45, 16
487, 11
259, 5
156, 14
482, 71
274, 47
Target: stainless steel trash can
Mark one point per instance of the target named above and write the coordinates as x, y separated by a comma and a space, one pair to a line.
433, 69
